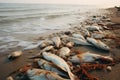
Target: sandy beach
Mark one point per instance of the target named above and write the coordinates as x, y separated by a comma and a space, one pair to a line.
10, 68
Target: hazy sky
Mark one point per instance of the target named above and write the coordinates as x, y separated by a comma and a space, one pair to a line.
101, 2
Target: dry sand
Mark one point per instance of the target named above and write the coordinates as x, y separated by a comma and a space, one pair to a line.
7, 67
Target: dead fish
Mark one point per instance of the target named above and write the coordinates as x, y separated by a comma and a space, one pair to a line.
78, 36
78, 41
56, 41
51, 67
87, 57
39, 74
15, 54
59, 62
64, 51
98, 43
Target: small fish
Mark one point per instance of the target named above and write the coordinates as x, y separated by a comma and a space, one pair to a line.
98, 43
78, 41
56, 41
64, 51
39, 74
15, 54
59, 62
87, 57
51, 67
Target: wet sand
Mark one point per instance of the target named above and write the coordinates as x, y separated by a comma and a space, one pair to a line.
8, 67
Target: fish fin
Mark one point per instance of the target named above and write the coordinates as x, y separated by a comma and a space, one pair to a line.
72, 76
59, 68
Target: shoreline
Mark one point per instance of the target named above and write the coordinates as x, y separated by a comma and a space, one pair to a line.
7, 67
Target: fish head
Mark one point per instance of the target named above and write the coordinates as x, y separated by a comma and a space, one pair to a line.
106, 47
103, 46
33, 72
74, 59
47, 55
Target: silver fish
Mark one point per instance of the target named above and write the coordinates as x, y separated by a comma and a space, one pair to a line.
39, 74
78, 41
98, 43
51, 67
87, 57
59, 62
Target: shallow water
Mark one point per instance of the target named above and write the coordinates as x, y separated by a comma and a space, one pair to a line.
20, 24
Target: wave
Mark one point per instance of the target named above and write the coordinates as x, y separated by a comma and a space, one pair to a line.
17, 19
9, 19
19, 10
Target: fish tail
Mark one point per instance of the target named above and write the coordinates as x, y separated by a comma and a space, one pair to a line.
72, 76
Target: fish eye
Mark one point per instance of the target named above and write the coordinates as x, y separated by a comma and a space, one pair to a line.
105, 46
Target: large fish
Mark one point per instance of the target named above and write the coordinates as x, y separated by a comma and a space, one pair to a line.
51, 67
59, 62
87, 57
78, 41
98, 43
56, 41
39, 74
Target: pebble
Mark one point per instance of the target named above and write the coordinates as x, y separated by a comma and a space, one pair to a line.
10, 78
109, 68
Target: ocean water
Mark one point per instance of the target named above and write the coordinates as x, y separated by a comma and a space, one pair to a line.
20, 24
